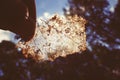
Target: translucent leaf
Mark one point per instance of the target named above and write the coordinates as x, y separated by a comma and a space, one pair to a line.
58, 36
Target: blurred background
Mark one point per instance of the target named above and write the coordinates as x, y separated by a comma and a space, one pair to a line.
101, 60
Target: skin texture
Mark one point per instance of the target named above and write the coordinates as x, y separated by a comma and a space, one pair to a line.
18, 16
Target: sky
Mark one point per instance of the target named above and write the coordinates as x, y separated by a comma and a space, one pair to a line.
56, 6
46, 8
50, 6
112, 3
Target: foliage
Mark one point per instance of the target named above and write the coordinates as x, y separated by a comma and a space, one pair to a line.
102, 62
85, 66
57, 36
102, 26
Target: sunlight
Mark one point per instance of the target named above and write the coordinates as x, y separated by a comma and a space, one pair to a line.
58, 36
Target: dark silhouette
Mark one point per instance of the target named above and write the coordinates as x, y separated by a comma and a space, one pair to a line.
18, 16
99, 63
115, 21
14, 66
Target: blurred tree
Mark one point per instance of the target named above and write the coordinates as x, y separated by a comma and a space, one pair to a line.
102, 63
115, 24
14, 66
103, 36
99, 20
